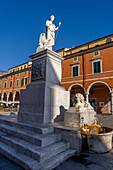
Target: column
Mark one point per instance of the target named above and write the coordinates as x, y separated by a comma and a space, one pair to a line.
111, 102
87, 96
7, 100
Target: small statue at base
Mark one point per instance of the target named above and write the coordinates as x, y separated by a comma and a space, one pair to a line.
48, 40
79, 101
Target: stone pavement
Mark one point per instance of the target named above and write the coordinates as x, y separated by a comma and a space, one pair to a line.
83, 161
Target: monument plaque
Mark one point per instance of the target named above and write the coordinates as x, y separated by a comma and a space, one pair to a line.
38, 69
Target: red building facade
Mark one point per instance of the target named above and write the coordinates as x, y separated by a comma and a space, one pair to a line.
88, 69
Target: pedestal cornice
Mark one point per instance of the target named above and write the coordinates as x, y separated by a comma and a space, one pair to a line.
45, 52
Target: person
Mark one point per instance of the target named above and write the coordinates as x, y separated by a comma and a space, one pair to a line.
50, 32
48, 40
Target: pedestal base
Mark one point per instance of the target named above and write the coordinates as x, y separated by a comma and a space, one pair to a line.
43, 104
45, 99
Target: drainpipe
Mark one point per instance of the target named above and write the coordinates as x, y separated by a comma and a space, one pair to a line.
84, 72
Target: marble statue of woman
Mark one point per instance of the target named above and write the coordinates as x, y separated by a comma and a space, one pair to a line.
48, 40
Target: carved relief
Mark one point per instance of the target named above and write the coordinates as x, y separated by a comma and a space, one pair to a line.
38, 70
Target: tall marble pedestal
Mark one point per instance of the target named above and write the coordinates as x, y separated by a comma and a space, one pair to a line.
45, 98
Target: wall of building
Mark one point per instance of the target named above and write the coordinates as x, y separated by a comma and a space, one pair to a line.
19, 81
87, 77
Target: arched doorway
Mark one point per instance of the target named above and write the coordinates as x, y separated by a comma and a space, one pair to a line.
74, 89
17, 99
17, 96
10, 96
4, 97
100, 97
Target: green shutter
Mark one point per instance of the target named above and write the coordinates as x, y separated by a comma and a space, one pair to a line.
10, 83
25, 80
17, 82
75, 71
22, 81
75, 58
97, 67
96, 53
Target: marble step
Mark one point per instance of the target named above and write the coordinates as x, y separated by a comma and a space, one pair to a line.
58, 159
31, 164
35, 138
41, 129
19, 158
32, 150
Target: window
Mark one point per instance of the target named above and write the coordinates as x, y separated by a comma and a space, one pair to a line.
22, 81
75, 71
18, 74
25, 80
21, 67
17, 82
96, 53
75, 58
5, 84
18, 68
81, 50
10, 83
11, 76
108, 40
25, 72
97, 67
24, 66
0, 85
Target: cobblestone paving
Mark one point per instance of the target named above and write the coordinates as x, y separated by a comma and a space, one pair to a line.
82, 162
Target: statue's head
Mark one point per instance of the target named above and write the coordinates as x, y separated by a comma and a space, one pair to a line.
78, 98
52, 18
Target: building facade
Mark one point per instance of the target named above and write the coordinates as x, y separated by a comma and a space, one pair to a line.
86, 69
12, 83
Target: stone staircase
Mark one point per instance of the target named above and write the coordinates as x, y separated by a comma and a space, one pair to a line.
35, 147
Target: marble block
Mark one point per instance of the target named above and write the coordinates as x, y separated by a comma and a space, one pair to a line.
45, 99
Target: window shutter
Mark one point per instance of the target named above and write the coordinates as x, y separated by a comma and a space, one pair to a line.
75, 71
22, 81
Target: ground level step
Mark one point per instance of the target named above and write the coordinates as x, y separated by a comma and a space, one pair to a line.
19, 158
58, 159
38, 128
29, 163
32, 150
35, 138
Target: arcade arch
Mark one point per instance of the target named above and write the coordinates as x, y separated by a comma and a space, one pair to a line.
100, 97
17, 96
4, 96
10, 98
75, 88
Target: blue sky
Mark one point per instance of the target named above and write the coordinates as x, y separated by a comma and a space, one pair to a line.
22, 21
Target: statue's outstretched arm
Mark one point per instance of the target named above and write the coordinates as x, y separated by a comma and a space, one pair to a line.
58, 26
